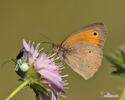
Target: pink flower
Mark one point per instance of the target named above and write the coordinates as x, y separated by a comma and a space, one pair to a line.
45, 66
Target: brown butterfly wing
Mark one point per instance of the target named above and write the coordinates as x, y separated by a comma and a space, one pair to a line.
82, 50
84, 58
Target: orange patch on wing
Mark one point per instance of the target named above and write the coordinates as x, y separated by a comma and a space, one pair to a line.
82, 36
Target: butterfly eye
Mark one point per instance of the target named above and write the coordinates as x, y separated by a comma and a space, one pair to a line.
89, 51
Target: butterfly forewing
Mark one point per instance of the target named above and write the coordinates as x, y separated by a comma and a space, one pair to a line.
88, 34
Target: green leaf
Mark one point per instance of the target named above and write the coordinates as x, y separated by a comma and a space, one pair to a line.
119, 72
118, 57
36, 93
21, 73
41, 95
115, 62
118, 61
40, 89
123, 55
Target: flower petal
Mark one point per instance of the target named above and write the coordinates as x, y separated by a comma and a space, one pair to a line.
54, 79
26, 46
54, 96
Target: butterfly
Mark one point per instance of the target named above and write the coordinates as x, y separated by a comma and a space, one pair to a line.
82, 50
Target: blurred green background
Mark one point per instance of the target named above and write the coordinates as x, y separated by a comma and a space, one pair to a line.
29, 19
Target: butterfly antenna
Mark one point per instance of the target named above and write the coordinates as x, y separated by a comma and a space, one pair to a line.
47, 42
46, 37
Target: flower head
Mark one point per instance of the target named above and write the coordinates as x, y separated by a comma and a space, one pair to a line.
45, 66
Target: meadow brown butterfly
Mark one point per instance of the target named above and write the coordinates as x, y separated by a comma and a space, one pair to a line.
82, 50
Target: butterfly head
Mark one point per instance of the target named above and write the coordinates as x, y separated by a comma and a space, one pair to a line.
55, 48
59, 50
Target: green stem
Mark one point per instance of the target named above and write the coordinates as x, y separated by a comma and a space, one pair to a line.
122, 97
18, 89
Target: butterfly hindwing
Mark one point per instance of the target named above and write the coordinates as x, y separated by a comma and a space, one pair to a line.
84, 58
